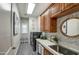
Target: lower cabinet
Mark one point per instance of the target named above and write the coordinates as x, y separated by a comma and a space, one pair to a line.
46, 52
41, 50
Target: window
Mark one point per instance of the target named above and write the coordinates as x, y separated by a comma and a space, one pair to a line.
24, 28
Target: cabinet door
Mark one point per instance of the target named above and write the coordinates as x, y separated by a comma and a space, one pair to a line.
56, 8
46, 52
51, 24
42, 23
53, 27
66, 6
47, 23
41, 48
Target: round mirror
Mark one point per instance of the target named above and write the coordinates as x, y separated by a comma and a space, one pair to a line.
70, 27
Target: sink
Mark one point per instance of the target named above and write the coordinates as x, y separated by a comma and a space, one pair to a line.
63, 50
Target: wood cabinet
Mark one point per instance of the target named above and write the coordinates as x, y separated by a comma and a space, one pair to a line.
42, 23
41, 50
66, 6
56, 8
62, 9
51, 24
46, 52
48, 24
48, 21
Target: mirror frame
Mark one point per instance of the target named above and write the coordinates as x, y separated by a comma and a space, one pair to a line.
63, 23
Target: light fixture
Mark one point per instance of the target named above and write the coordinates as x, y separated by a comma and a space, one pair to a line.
30, 8
5, 6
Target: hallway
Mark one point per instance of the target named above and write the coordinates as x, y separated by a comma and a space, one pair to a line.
15, 24
25, 49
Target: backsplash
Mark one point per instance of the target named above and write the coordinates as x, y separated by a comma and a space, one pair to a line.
63, 39
50, 35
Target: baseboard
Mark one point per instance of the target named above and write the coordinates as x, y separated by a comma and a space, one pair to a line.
8, 51
17, 48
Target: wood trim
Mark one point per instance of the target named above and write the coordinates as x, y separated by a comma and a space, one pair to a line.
64, 33
47, 8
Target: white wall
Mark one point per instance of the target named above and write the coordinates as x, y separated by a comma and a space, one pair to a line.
5, 30
34, 24
16, 38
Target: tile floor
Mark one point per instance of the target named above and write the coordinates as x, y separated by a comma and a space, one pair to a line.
25, 49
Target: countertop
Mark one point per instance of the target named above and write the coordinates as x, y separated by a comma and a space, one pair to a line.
46, 44
70, 47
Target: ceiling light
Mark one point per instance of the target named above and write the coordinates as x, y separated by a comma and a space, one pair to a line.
30, 8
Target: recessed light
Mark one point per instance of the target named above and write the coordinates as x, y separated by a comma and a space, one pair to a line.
31, 7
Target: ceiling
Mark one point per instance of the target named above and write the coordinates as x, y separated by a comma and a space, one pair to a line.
39, 8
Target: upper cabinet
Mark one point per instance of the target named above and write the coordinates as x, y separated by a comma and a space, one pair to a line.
42, 23
66, 6
56, 8
47, 23
53, 26
62, 9
50, 24
54, 11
